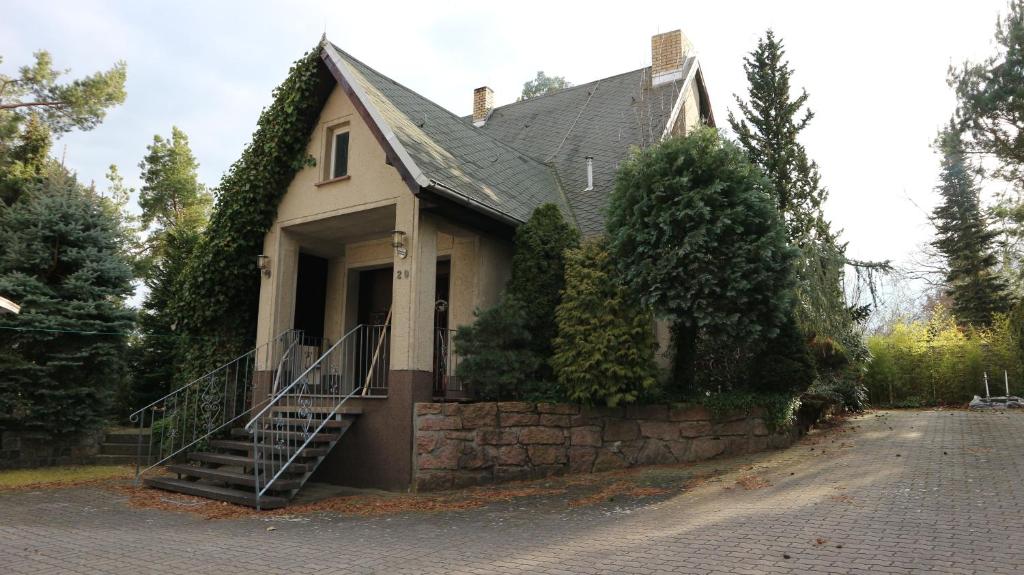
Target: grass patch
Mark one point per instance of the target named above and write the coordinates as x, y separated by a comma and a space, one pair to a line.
66, 476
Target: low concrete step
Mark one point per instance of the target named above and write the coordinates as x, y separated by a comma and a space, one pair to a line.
122, 448
129, 435
288, 407
241, 461
228, 494
103, 459
246, 446
228, 476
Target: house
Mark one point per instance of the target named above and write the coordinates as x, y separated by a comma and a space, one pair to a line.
403, 228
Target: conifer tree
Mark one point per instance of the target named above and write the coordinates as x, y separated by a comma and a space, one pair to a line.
964, 239
64, 261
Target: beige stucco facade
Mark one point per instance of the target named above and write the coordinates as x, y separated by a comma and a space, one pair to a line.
348, 221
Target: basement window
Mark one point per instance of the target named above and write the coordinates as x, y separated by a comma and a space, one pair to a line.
337, 153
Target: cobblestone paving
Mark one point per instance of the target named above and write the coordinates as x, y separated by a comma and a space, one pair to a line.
898, 492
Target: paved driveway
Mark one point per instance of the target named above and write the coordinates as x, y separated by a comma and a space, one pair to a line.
901, 492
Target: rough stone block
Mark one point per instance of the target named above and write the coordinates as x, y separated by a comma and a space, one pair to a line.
445, 457
759, 427
664, 430
515, 419
496, 437
655, 452
541, 435
558, 408
653, 412
590, 436
433, 480
780, 440
607, 460
555, 420
688, 412
694, 428
758, 443
460, 435
452, 408
476, 415
428, 408
737, 445
469, 478
621, 430
516, 407
427, 441
439, 422
680, 449
511, 472
547, 454
473, 458
511, 455
706, 448
737, 427
581, 459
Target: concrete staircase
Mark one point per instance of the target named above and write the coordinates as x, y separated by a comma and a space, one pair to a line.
121, 446
227, 471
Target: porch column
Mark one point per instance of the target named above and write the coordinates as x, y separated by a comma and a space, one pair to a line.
412, 319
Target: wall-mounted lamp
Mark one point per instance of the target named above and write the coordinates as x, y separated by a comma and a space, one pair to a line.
263, 264
398, 242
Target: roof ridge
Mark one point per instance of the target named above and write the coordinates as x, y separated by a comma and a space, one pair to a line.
569, 89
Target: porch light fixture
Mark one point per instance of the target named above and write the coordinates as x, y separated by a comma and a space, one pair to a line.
263, 264
398, 242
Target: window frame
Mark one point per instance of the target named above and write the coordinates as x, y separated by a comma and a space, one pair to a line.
336, 132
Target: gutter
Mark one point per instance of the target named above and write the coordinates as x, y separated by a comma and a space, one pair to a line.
456, 197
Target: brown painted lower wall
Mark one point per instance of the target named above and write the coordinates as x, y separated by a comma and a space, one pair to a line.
21, 449
471, 444
376, 451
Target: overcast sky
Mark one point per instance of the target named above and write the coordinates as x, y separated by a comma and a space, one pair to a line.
876, 73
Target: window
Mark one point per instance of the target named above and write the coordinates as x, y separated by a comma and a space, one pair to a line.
339, 153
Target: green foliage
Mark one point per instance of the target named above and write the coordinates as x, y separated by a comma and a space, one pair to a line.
171, 195
220, 286
497, 356
964, 239
843, 387
695, 234
604, 351
64, 261
940, 362
543, 84
785, 364
538, 275
989, 97
779, 408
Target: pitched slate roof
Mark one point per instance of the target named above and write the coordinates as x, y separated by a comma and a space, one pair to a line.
453, 155
602, 119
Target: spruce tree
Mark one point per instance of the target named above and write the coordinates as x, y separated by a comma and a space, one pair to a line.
64, 261
964, 239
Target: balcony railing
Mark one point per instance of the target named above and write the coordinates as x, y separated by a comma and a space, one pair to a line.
446, 363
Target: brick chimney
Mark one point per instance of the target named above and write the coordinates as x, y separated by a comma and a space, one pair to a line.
483, 103
668, 51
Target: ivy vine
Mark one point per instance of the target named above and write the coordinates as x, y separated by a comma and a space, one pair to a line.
220, 286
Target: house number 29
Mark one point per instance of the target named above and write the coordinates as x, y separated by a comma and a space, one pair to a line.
400, 274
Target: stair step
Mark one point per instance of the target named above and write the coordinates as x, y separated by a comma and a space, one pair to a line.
126, 436
235, 445
322, 437
104, 459
131, 449
228, 494
288, 407
228, 476
242, 461
341, 423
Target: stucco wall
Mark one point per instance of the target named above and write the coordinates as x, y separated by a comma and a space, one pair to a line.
470, 444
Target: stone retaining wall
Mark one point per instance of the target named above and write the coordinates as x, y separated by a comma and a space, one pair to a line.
22, 449
470, 444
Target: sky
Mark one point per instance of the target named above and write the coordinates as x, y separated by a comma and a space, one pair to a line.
876, 73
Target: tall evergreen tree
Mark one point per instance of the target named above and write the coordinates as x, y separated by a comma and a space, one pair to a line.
964, 239
174, 207
64, 261
769, 129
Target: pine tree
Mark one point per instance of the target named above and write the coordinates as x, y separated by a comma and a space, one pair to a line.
964, 238
604, 352
64, 262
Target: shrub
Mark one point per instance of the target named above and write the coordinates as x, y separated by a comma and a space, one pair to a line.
785, 364
604, 351
844, 388
497, 361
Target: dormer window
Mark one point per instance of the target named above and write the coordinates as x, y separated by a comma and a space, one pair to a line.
336, 152
339, 153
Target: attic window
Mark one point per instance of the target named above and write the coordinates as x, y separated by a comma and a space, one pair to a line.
336, 152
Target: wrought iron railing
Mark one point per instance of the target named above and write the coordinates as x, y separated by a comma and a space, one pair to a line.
189, 415
286, 426
446, 363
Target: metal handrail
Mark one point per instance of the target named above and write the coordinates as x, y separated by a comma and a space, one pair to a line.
334, 378
200, 400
